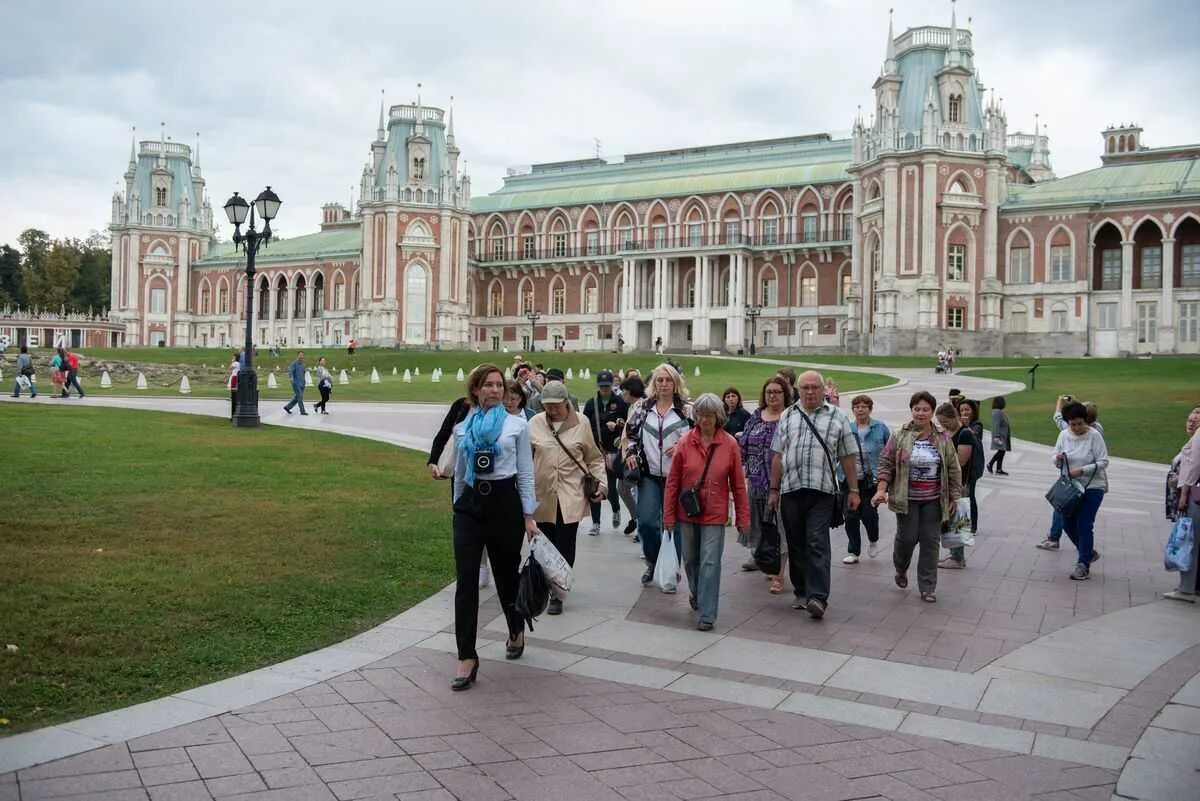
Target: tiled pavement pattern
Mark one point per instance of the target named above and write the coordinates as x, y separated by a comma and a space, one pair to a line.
996, 662
394, 730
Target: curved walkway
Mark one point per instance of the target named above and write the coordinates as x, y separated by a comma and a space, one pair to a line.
1027, 674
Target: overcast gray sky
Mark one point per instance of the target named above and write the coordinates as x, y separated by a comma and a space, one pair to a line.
287, 93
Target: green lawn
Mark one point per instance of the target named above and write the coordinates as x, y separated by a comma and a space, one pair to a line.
207, 372
1143, 402
147, 553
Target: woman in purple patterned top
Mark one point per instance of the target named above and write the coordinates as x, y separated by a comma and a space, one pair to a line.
756, 456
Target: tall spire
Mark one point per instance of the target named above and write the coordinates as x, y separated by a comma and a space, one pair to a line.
196, 154
889, 63
450, 124
162, 145
133, 145
952, 55
418, 124
380, 131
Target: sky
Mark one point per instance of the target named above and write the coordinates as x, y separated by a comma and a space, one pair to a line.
287, 93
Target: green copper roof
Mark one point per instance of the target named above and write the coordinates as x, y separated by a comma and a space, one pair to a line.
1137, 181
753, 165
323, 244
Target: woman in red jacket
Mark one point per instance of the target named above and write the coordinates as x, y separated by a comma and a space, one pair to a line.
705, 470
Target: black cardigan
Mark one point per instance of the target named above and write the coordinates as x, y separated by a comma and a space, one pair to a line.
458, 413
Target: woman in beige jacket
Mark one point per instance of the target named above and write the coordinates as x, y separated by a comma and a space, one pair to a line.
563, 452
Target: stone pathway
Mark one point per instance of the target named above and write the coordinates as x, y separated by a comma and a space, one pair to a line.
1033, 686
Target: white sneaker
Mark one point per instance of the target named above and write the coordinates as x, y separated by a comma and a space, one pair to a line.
850, 559
485, 576
872, 549
594, 530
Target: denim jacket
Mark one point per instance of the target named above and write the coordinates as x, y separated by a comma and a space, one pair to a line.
872, 445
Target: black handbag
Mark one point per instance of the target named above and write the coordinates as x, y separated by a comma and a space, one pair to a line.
1065, 494
533, 592
838, 516
689, 499
768, 554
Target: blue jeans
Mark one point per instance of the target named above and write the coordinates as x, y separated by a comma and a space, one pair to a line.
1056, 526
297, 398
650, 515
1080, 524
17, 389
703, 547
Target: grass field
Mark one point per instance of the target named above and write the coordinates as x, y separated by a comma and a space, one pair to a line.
207, 372
1143, 403
139, 566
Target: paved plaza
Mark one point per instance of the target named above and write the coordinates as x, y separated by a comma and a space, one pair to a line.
1017, 684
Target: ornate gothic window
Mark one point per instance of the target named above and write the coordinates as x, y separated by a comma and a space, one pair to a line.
955, 108
160, 196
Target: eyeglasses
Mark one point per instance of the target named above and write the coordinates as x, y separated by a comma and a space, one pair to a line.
774, 392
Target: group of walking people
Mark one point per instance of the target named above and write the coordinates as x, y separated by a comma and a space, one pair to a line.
526, 458
64, 373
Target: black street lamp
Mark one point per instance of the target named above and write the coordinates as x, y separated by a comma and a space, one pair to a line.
752, 312
533, 317
236, 208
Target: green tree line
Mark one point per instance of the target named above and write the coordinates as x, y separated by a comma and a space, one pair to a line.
51, 274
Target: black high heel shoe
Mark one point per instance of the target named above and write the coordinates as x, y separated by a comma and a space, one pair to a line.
461, 683
512, 651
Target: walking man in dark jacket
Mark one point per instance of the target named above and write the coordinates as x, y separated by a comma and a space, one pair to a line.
606, 412
296, 375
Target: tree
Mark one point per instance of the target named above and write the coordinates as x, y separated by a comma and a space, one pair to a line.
91, 290
12, 287
49, 281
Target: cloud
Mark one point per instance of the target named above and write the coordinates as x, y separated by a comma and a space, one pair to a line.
287, 93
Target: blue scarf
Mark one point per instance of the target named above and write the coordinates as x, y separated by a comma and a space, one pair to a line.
480, 432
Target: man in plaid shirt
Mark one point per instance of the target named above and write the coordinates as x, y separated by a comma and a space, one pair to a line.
804, 487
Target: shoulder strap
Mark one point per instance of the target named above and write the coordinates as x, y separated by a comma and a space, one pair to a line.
821, 440
712, 449
570, 455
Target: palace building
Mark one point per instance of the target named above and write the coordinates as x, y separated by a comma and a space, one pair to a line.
931, 226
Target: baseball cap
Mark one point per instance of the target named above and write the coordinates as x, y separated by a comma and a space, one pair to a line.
554, 374
554, 392
604, 379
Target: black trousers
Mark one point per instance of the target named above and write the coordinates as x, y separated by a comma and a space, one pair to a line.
614, 499
493, 521
232, 403
325, 392
806, 515
997, 460
562, 536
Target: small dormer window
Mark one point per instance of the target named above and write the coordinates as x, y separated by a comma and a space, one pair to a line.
419, 169
955, 108
160, 196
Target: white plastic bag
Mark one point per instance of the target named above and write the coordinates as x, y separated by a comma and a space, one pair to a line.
958, 530
666, 569
558, 573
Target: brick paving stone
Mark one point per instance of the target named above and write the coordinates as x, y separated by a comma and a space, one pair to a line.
640, 717
579, 738
187, 791
502, 771
295, 728
382, 785
345, 746
784, 757
108, 759
227, 786
366, 768
285, 759
259, 739
616, 759
224, 759
555, 766
558, 788
168, 774
441, 759
855, 749
57, 787
276, 778
641, 774
720, 776
796, 731
467, 786
202, 732
666, 746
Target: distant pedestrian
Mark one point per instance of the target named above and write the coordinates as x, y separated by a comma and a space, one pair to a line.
25, 374
632, 391
58, 373
351, 346
1082, 452
234, 369
296, 376
1185, 468
968, 418
324, 386
1001, 436
72, 374
832, 396
736, 415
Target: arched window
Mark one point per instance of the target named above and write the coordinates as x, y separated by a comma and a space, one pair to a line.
844, 286
733, 229
160, 196
558, 297
695, 228
301, 296
222, 298
318, 294
558, 238
955, 108
768, 287
527, 297
496, 240
339, 293
416, 285
264, 299
625, 236
769, 224
876, 256
590, 296
496, 300
1019, 269
205, 300
281, 297
808, 286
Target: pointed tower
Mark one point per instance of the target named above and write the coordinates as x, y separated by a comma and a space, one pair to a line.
418, 146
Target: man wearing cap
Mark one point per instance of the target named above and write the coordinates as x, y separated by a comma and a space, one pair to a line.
555, 374
604, 412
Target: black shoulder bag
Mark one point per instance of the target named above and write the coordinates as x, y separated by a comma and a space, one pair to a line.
689, 499
591, 485
838, 516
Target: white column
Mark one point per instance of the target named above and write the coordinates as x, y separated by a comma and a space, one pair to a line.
927, 258
1127, 284
1166, 307
891, 219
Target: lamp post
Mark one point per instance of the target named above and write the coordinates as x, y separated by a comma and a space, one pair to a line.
236, 208
752, 312
533, 317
